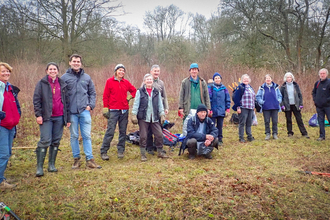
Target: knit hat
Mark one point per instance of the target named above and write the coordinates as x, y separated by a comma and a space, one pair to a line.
193, 65
201, 107
119, 66
216, 74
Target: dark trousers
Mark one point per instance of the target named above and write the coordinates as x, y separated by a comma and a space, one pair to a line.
245, 120
321, 112
156, 130
270, 114
219, 123
51, 132
192, 145
150, 140
297, 115
116, 116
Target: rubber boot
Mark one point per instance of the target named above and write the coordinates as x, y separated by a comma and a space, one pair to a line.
52, 159
41, 154
143, 154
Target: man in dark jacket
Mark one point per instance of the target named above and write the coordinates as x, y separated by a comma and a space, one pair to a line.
82, 97
321, 98
202, 135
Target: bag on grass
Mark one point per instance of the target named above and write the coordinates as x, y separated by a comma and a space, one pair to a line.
313, 121
169, 139
234, 119
133, 138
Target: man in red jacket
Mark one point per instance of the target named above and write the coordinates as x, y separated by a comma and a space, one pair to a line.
115, 109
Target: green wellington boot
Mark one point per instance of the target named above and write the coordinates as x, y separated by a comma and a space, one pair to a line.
41, 154
52, 159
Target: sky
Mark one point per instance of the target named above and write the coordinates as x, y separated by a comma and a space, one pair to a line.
136, 9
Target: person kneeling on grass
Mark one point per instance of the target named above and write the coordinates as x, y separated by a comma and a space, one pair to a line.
202, 135
148, 111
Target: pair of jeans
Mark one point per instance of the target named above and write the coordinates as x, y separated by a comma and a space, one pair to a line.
156, 129
297, 115
321, 112
245, 121
84, 121
6, 143
51, 132
271, 114
219, 122
116, 116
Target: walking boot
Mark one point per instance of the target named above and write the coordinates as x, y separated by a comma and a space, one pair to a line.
52, 159
76, 163
92, 165
161, 153
41, 154
143, 154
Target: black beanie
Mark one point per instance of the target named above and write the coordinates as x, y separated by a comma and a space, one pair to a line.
201, 107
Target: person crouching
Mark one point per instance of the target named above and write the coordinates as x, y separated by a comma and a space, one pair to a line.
148, 110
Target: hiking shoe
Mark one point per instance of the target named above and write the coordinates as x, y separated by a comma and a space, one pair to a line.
161, 154
251, 139
320, 139
242, 140
104, 156
151, 152
76, 163
208, 156
120, 155
275, 136
290, 135
91, 164
5, 185
306, 136
191, 157
220, 143
143, 158
267, 137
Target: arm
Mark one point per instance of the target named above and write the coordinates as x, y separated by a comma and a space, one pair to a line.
166, 108
301, 103
181, 95
132, 90
136, 103
106, 94
259, 96
91, 94
206, 95
227, 99
191, 133
37, 100
160, 105
279, 95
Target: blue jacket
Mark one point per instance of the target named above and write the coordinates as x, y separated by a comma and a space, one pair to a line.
261, 92
237, 96
81, 90
220, 100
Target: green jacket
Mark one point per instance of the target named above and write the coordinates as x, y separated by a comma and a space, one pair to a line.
185, 94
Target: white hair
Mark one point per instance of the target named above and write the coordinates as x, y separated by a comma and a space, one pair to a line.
154, 67
325, 70
243, 76
288, 74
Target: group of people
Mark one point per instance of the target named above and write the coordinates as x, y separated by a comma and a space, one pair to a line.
68, 100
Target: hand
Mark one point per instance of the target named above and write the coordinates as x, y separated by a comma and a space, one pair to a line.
227, 113
239, 111
283, 108
39, 120
162, 119
166, 111
68, 124
207, 143
134, 119
2, 115
106, 113
181, 112
301, 107
209, 137
88, 108
209, 113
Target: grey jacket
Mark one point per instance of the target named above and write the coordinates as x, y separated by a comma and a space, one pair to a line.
81, 90
185, 94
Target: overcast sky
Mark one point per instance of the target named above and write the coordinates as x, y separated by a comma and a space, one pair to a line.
137, 9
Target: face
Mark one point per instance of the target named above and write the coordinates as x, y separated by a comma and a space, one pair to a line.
194, 73
52, 71
155, 72
246, 80
4, 74
120, 73
289, 78
268, 80
323, 74
75, 64
148, 81
201, 115
217, 80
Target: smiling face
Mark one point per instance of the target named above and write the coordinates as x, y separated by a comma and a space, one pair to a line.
120, 73
155, 72
268, 80
217, 80
289, 78
194, 73
323, 74
246, 80
148, 81
52, 71
4, 74
75, 64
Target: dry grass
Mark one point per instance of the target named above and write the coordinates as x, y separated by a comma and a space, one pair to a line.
257, 180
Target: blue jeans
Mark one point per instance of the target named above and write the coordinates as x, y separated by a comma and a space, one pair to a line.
51, 132
6, 143
219, 124
116, 116
83, 120
321, 113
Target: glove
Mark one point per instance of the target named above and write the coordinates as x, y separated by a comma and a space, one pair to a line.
162, 119
134, 119
283, 108
106, 113
301, 107
2, 115
227, 113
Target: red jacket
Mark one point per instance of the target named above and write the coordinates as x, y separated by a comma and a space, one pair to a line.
115, 93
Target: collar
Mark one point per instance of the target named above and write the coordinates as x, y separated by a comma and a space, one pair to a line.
193, 80
8, 87
50, 80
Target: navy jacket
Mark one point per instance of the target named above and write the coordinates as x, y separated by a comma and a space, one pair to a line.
321, 93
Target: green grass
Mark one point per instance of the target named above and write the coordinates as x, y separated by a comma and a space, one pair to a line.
257, 180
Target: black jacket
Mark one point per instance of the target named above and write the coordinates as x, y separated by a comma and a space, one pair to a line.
321, 93
143, 107
43, 100
298, 99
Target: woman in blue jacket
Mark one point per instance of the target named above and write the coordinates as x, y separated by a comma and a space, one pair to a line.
269, 98
220, 103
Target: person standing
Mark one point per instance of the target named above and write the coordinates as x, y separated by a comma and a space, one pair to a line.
220, 103
244, 103
159, 85
10, 114
51, 108
193, 92
292, 102
82, 97
148, 111
321, 98
115, 109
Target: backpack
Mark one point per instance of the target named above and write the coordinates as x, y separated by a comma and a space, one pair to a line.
234, 119
169, 139
133, 138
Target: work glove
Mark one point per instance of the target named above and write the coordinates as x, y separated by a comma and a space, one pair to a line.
2, 115
162, 119
283, 108
301, 107
134, 119
106, 113
227, 113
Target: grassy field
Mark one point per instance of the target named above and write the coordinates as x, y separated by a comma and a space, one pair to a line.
257, 180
